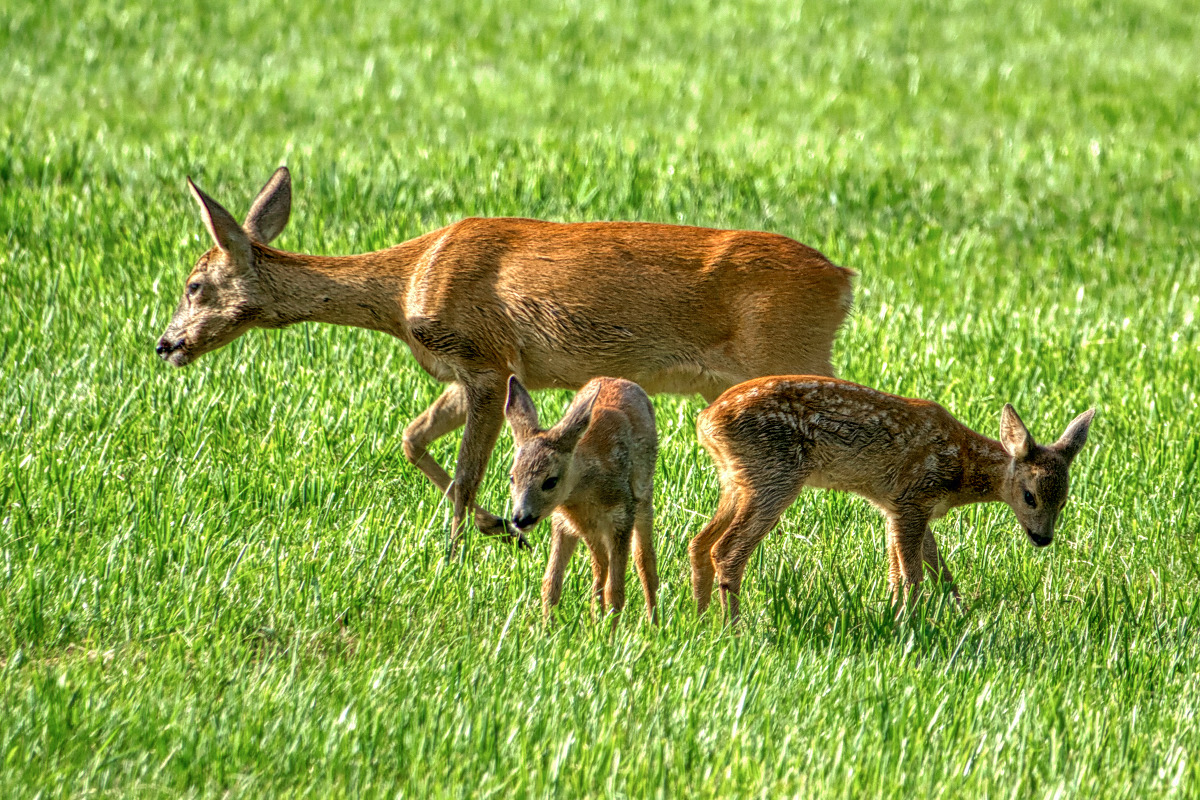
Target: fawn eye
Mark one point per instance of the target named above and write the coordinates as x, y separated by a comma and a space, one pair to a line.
1029, 501
549, 484
192, 288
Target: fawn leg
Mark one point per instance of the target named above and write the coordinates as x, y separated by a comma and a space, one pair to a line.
700, 548
562, 546
446, 414
906, 534
643, 555
933, 558
599, 554
619, 537
895, 579
756, 516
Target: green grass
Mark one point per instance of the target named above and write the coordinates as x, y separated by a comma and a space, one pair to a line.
227, 580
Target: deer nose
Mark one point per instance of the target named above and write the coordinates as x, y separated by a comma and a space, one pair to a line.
1040, 541
524, 521
166, 346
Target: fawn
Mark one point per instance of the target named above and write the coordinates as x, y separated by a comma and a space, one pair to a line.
673, 308
914, 461
594, 473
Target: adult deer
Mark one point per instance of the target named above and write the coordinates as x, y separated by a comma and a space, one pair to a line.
771, 437
672, 308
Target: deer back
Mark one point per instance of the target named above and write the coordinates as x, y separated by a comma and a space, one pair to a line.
672, 308
837, 435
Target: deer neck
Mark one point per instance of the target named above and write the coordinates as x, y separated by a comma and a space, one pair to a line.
984, 471
363, 291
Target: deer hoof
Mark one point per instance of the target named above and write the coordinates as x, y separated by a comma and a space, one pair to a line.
495, 526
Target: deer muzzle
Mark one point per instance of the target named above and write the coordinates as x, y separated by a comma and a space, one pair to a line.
172, 350
1039, 540
524, 520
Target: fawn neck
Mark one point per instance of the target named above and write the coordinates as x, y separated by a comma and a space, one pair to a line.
363, 291
984, 471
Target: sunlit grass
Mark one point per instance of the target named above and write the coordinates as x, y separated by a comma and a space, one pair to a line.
226, 579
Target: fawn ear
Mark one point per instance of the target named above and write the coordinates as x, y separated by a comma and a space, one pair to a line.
1073, 440
271, 208
520, 411
577, 419
1014, 435
223, 228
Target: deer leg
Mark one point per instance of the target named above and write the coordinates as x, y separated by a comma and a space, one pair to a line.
562, 546
906, 532
599, 569
935, 562
700, 548
485, 418
448, 413
756, 516
618, 560
643, 555
895, 579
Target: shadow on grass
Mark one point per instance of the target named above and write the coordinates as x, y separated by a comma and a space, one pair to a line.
1139, 634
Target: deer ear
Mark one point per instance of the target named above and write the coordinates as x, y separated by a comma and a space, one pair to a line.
1014, 435
520, 411
223, 228
1073, 440
577, 419
271, 208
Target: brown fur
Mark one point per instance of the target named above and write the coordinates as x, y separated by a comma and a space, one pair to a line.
594, 473
772, 436
673, 308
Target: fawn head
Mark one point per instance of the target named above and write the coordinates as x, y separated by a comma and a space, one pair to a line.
541, 475
1037, 481
223, 295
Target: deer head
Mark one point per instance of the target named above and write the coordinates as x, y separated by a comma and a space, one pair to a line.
224, 295
542, 475
1037, 479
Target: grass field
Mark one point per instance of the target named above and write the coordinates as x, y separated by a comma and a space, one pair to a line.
226, 580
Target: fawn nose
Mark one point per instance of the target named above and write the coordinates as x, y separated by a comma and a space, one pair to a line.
523, 521
1040, 541
166, 346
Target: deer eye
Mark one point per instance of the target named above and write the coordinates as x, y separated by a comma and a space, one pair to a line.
192, 288
1029, 500
549, 484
